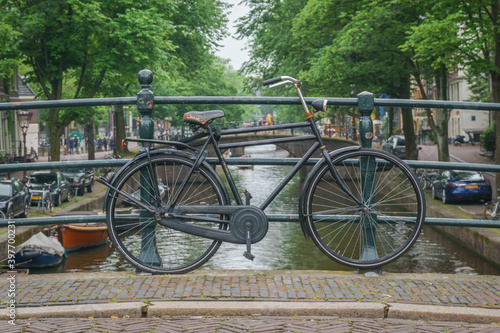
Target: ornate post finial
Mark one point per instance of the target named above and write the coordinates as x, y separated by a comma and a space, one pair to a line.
366, 104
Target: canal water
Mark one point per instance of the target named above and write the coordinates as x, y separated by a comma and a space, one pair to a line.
285, 248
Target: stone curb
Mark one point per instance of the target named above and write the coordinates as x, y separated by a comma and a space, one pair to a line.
269, 308
443, 313
119, 310
264, 308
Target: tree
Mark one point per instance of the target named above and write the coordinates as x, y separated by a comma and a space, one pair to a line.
85, 40
214, 79
364, 52
465, 34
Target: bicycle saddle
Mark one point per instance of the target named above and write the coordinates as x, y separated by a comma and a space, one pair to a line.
202, 117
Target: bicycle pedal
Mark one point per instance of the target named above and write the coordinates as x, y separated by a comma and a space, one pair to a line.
248, 255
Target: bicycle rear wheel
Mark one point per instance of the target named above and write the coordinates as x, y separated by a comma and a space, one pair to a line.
137, 236
380, 231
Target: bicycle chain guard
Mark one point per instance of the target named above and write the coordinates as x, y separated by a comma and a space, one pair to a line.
247, 224
249, 219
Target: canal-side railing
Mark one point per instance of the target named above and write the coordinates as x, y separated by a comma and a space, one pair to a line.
145, 101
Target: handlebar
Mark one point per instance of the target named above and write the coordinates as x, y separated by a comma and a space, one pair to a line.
318, 105
285, 80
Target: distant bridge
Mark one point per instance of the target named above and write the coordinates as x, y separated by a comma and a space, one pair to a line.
296, 149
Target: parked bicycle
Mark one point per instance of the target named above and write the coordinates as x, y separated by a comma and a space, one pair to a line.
350, 204
492, 209
42, 197
427, 177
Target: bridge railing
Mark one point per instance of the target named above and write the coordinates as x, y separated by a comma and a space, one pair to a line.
145, 102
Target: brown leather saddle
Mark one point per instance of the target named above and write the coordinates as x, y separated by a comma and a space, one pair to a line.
202, 117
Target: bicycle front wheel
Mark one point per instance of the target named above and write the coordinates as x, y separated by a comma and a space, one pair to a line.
386, 225
136, 234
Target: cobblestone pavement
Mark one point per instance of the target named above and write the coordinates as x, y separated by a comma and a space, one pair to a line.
82, 288
451, 291
242, 324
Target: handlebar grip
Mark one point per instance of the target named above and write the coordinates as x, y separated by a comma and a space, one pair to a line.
271, 81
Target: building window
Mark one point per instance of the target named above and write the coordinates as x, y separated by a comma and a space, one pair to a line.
473, 118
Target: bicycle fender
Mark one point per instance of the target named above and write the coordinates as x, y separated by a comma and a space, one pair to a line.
319, 164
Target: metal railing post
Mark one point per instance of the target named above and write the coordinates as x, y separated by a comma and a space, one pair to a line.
366, 104
145, 106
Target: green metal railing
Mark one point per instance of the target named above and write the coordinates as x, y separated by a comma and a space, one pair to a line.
146, 101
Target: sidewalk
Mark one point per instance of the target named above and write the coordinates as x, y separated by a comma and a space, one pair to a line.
266, 300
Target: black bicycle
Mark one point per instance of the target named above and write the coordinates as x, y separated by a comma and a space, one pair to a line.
168, 210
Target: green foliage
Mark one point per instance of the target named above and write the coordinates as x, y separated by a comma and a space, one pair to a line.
88, 48
432, 137
479, 86
488, 137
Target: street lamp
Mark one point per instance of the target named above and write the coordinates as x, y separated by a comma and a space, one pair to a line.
24, 119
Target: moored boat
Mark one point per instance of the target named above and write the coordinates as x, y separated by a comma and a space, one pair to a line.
39, 251
78, 236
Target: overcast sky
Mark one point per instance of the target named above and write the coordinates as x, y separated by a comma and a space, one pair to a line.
232, 48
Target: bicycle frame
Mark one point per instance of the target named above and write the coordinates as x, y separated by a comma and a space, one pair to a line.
318, 144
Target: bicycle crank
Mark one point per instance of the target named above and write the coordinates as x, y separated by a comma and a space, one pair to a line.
247, 224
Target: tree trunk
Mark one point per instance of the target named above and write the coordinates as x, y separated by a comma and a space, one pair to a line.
90, 140
409, 131
55, 134
495, 92
442, 114
390, 121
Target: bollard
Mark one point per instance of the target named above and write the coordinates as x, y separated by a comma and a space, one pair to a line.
145, 106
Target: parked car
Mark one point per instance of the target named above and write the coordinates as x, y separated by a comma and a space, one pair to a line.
395, 144
14, 199
79, 179
461, 185
59, 189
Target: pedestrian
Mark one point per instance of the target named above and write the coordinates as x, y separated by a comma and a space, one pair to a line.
71, 146
269, 119
64, 142
77, 143
105, 143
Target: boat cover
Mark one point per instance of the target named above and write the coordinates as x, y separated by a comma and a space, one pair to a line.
39, 241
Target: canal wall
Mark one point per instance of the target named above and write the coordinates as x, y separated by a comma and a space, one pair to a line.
485, 242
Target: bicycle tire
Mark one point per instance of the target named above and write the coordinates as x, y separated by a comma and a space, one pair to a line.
391, 222
490, 207
171, 251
